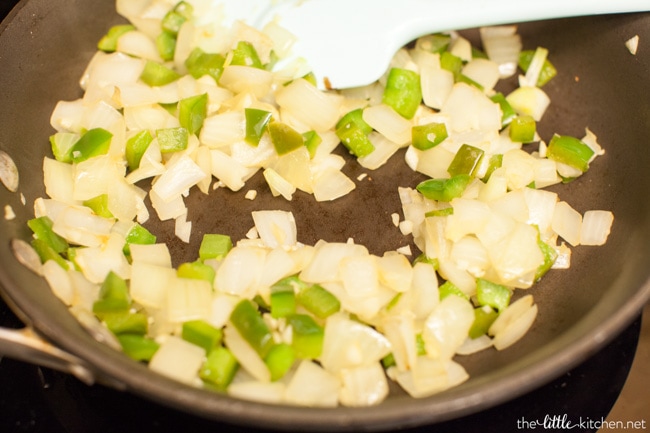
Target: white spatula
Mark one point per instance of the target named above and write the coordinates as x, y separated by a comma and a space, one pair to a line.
349, 43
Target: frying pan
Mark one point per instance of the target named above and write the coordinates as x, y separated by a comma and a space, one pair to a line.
44, 47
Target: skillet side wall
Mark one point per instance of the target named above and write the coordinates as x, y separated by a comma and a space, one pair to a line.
44, 50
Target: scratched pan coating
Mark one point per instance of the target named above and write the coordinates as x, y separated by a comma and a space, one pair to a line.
44, 47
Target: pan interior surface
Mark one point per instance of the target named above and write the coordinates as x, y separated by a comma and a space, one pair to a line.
44, 48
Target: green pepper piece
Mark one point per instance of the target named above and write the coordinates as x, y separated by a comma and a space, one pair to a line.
251, 326
478, 54
388, 361
437, 42
355, 116
166, 45
403, 92
284, 138
353, 132
451, 63
547, 72
108, 42
318, 301
192, 112
46, 252
279, 360
466, 161
202, 334
483, 319
310, 77
355, 140
138, 347
156, 74
62, 144
94, 142
522, 129
125, 322
172, 139
440, 212
312, 141
507, 112
113, 296
283, 300
424, 137
492, 294
214, 246
256, 124
550, 255
444, 189
570, 151
174, 19
307, 336
422, 258
462, 78
42, 228
140, 235
136, 146
448, 288
420, 347
219, 368
200, 63
494, 162
99, 205
245, 54
196, 270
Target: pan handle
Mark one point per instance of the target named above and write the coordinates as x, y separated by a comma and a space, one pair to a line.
26, 345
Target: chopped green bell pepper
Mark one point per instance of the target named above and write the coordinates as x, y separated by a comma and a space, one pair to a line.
522, 129
466, 161
507, 112
448, 288
99, 205
307, 336
113, 297
156, 74
94, 142
284, 138
197, 271
547, 72
403, 91
42, 229
108, 42
483, 319
424, 137
125, 322
136, 146
245, 54
492, 294
444, 189
46, 252
202, 334
280, 360
138, 347
257, 122
318, 301
219, 368
172, 139
214, 246
570, 151
192, 111
200, 63
312, 141
251, 326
